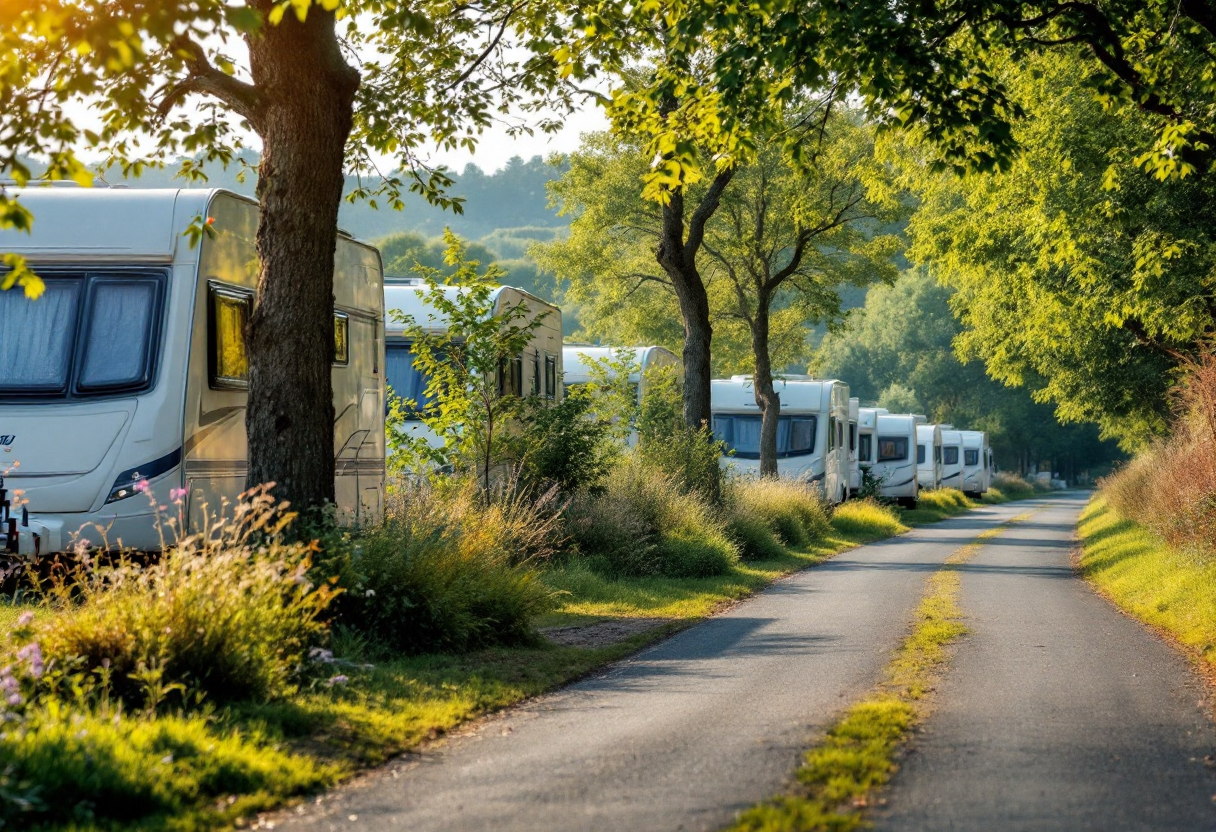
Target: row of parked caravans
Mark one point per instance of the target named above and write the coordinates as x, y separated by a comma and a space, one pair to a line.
130, 374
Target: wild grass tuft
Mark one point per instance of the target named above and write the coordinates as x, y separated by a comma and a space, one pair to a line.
451, 569
793, 510
645, 523
866, 519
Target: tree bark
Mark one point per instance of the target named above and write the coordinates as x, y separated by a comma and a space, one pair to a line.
766, 394
306, 105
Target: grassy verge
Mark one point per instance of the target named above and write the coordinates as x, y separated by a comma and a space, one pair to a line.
220, 767
858, 752
1170, 589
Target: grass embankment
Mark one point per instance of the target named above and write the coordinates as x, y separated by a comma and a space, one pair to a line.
1166, 587
858, 752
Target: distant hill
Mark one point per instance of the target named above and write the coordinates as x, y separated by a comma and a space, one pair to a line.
511, 198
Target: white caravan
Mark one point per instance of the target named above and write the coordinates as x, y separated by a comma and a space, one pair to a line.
132, 366
812, 444
895, 440
952, 457
867, 423
537, 371
929, 456
976, 457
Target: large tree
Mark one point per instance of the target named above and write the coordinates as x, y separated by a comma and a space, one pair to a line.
324, 86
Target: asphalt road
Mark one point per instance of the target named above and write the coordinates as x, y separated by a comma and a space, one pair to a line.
686, 733
1057, 712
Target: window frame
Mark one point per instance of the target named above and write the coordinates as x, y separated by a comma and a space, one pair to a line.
730, 442
866, 439
966, 453
945, 449
895, 439
87, 277
922, 453
342, 318
215, 291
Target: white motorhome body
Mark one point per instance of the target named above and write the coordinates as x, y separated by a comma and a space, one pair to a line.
537, 371
854, 464
132, 366
976, 456
895, 440
812, 443
952, 457
867, 423
929, 456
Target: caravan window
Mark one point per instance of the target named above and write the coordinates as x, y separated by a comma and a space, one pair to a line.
920, 454
852, 437
863, 447
341, 338
831, 433
550, 377
536, 374
950, 455
741, 433
937, 454
510, 376
971, 457
229, 353
89, 334
892, 448
405, 381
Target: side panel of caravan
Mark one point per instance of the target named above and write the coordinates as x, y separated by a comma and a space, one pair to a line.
975, 463
854, 463
952, 459
895, 442
929, 456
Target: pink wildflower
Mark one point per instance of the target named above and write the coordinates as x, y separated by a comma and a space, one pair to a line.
337, 680
178, 494
142, 485
25, 619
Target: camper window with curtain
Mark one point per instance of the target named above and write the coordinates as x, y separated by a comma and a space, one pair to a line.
341, 338
511, 376
892, 448
87, 335
550, 377
971, 457
741, 433
405, 380
863, 447
950, 455
229, 356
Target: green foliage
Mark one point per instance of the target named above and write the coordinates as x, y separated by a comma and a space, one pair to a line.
568, 444
645, 523
451, 569
1077, 274
464, 366
228, 615
792, 510
898, 351
110, 769
692, 456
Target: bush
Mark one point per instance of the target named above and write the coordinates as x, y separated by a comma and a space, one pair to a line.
451, 570
645, 523
792, 510
866, 519
565, 444
756, 541
689, 455
948, 500
1011, 486
231, 614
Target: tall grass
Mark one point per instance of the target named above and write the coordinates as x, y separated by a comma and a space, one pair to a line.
644, 523
451, 569
1171, 487
229, 614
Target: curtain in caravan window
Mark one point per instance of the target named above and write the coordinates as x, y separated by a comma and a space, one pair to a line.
971, 457
950, 455
405, 380
118, 334
36, 338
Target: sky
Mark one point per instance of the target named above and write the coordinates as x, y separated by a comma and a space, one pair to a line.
496, 147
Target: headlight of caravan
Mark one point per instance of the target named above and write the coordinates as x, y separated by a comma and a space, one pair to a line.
124, 486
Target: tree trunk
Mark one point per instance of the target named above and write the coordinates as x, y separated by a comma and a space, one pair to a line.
766, 394
306, 107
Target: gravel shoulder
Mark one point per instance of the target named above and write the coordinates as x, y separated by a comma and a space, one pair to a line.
684, 734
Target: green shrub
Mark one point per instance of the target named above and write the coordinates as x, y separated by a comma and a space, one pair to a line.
566, 444
449, 571
756, 541
690, 455
231, 615
1010, 486
793, 510
948, 500
645, 523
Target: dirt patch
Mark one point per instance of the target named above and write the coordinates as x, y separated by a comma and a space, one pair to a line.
601, 633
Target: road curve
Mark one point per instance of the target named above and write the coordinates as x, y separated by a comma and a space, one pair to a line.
684, 734
1057, 713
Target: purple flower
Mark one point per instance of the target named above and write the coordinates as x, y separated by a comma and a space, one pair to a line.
142, 485
25, 619
177, 494
336, 680
14, 699
32, 653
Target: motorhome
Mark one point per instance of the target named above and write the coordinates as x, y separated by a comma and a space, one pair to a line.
867, 421
976, 459
928, 456
952, 457
895, 440
854, 464
130, 372
812, 443
537, 371
579, 359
